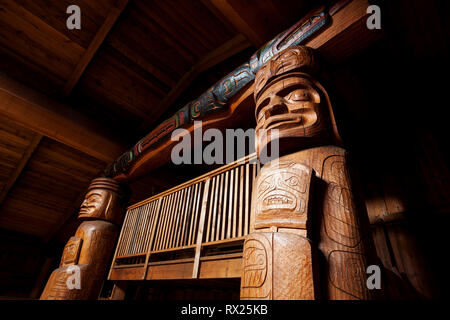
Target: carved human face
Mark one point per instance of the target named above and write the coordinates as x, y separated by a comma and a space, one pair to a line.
95, 203
288, 104
281, 196
291, 101
281, 190
71, 252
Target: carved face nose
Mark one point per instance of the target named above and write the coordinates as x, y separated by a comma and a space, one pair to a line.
276, 106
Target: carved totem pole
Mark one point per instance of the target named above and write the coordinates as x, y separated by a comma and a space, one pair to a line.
87, 254
305, 221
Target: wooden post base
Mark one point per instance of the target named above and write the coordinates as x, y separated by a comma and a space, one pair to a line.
277, 266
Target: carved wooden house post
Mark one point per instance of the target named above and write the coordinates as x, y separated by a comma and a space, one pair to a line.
306, 226
86, 255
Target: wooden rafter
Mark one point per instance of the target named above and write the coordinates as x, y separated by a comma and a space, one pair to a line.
100, 36
18, 170
55, 120
228, 49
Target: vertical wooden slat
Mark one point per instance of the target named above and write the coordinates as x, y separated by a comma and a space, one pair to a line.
184, 224
155, 217
146, 230
179, 222
169, 224
225, 201
164, 222
219, 207
137, 230
142, 228
118, 247
178, 216
241, 204
230, 205
175, 224
201, 224
193, 213
213, 218
187, 209
162, 216
123, 233
197, 211
236, 185
151, 218
130, 232
247, 199
210, 208
170, 215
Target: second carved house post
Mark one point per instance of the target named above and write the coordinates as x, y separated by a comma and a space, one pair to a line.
308, 236
90, 250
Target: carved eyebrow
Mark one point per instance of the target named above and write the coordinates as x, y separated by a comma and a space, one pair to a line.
289, 89
94, 194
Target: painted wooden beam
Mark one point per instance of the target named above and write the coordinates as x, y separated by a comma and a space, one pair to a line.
55, 120
225, 51
98, 39
21, 165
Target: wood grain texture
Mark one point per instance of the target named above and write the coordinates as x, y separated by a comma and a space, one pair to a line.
345, 241
110, 20
277, 266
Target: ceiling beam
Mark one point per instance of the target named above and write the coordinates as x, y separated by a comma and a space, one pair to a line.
98, 39
57, 121
18, 170
225, 51
237, 20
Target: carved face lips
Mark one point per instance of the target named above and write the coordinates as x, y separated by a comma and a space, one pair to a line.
276, 200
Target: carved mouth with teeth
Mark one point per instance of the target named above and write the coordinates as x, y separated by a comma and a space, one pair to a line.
278, 201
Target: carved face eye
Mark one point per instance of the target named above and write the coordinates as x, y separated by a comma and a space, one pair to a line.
298, 95
265, 184
94, 197
292, 181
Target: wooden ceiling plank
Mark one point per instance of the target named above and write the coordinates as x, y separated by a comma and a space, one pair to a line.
18, 170
100, 36
225, 51
117, 44
57, 121
238, 21
166, 32
58, 225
